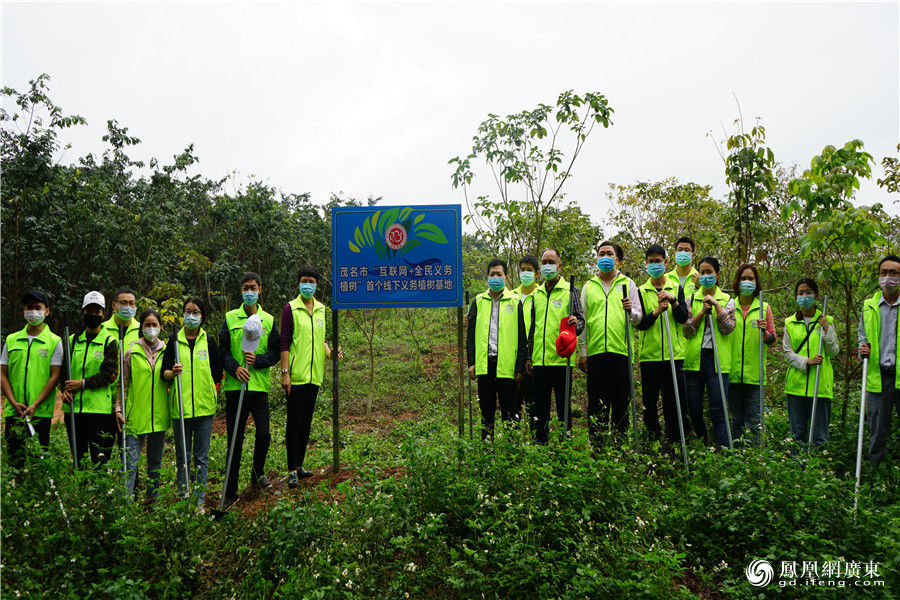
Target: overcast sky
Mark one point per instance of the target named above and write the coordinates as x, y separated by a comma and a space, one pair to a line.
374, 98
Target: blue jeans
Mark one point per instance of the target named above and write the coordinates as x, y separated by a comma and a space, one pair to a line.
695, 382
799, 412
197, 432
746, 410
156, 442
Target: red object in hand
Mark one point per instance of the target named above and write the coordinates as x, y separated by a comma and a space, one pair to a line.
567, 341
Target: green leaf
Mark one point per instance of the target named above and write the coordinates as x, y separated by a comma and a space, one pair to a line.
367, 231
419, 218
430, 232
353, 247
410, 245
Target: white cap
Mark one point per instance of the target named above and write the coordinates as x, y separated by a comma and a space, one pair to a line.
94, 298
252, 333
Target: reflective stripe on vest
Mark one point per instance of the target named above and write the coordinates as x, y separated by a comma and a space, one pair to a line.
507, 333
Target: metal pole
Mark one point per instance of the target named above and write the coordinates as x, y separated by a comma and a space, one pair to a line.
630, 370
568, 386
469, 381
762, 375
812, 417
859, 441
712, 335
460, 414
68, 358
677, 394
234, 434
187, 471
122, 398
52, 484
335, 413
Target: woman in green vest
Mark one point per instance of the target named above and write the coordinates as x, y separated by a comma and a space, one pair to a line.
146, 402
495, 348
29, 368
200, 370
801, 346
699, 362
744, 402
304, 351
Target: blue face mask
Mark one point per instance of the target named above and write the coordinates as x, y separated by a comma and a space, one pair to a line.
806, 301
548, 272
655, 269
127, 312
307, 289
250, 298
683, 258
192, 321
496, 283
747, 288
526, 277
606, 263
707, 281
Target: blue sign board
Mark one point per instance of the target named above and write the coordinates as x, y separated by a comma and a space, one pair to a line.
406, 256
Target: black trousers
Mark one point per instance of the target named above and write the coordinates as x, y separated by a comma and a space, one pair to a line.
17, 435
547, 380
95, 433
607, 388
493, 390
301, 404
525, 395
656, 377
257, 404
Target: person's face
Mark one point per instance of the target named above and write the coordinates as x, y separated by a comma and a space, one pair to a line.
549, 257
192, 309
706, 269
684, 247
747, 275
496, 271
606, 251
804, 290
526, 267
93, 310
889, 268
306, 279
251, 286
125, 300
656, 258
35, 305
150, 321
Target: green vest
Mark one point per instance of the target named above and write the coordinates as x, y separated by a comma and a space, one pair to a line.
147, 405
604, 317
29, 369
259, 378
307, 352
507, 333
527, 304
132, 335
86, 358
745, 345
798, 383
689, 287
548, 312
872, 325
652, 343
198, 390
695, 344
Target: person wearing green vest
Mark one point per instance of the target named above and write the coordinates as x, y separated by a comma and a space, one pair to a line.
801, 345
304, 351
684, 274
879, 330
250, 369
744, 402
147, 416
200, 368
29, 369
658, 295
699, 361
121, 326
550, 306
528, 268
495, 348
603, 347
88, 395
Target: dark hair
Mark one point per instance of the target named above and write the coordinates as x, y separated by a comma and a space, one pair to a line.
815, 288
616, 248
307, 271
251, 276
655, 249
713, 262
200, 305
147, 313
685, 240
736, 285
555, 251
529, 259
123, 290
496, 262
889, 257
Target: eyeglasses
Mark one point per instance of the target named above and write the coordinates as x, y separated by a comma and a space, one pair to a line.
892, 273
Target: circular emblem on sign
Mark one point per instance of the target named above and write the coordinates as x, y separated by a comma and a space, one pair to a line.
395, 236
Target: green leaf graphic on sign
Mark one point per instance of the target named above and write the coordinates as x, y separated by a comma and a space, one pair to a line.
430, 232
372, 232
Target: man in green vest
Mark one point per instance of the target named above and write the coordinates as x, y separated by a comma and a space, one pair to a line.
29, 368
122, 326
550, 306
528, 268
658, 295
495, 348
250, 369
684, 274
879, 329
603, 349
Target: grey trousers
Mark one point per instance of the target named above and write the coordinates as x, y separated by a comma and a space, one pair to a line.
879, 408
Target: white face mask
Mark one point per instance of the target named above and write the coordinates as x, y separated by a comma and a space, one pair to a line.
151, 333
887, 283
34, 317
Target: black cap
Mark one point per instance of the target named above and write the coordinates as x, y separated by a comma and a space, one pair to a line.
35, 296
